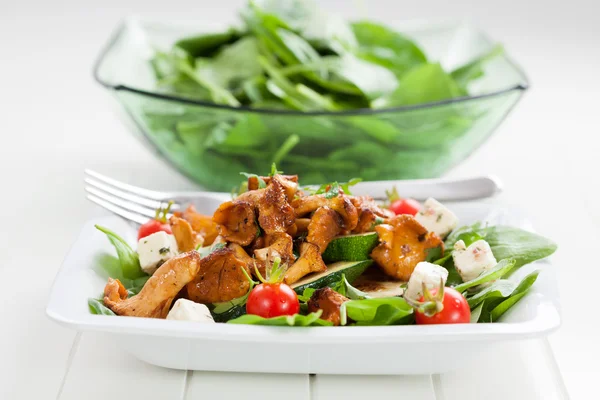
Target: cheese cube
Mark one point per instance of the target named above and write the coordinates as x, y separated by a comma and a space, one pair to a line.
187, 310
427, 273
153, 250
437, 218
472, 261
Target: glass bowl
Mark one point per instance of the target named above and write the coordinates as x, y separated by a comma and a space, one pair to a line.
212, 143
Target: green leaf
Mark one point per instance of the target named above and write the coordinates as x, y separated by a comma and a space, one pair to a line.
378, 311
128, 258
285, 148
425, 83
134, 286
344, 288
476, 313
261, 181
97, 307
232, 65
205, 44
508, 242
500, 289
515, 296
207, 250
501, 269
474, 69
306, 295
386, 47
373, 80
312, 319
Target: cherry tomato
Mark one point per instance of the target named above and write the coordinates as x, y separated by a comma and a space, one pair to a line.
456, 310
272, 300
405, 206
153, 226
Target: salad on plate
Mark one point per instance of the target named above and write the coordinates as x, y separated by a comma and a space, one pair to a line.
281, 254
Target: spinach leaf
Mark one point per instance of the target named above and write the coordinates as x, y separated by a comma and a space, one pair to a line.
515, 296
306, 295
344, 288
474, 69
233, 64
205, 44
501, 269
500, 289
207, 250
373, 80
423, 84
476, 313
508, 242
97, 307
312, 319
381, 45
128, 258
378, 311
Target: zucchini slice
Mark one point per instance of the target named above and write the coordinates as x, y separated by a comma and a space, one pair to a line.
351, 247
351, 269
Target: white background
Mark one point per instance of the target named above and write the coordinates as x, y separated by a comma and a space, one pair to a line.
55, 121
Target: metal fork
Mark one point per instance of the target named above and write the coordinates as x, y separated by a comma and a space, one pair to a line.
139, 204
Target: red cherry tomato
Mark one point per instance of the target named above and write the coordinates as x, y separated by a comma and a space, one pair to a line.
405, 206
153, 226
272, 300
456, 310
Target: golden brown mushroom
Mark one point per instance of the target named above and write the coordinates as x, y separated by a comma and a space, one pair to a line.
275, 214
404, 242
309, 261
368, 212
341, 204
155, 298
220, 278
324, 225
187, 239
329, 301
237, 222
203, 225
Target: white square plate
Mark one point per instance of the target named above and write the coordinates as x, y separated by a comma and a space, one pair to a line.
324, 350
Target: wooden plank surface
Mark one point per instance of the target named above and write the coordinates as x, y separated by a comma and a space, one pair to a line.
100, 370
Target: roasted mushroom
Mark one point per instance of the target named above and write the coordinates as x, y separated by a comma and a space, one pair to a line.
220, 278
237, 222
275, 214
289, 182
404, 243
203, 225
309, 261
329, 301
368, 212
341, 204
324, 225
155, 298
187, 239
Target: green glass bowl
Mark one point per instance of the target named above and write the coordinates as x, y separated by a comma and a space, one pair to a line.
211, 143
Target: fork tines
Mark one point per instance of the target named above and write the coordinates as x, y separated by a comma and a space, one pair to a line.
130, 202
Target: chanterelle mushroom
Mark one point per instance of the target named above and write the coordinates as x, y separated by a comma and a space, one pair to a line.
341, 204
404, 243
154, 300
309, 261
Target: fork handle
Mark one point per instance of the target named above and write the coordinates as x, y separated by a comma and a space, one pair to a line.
442, 189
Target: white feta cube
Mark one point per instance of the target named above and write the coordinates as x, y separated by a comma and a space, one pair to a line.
153, 250
472, 261
427, 273
187, 310
437, 218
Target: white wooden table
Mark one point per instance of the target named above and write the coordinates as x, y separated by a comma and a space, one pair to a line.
57, 121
